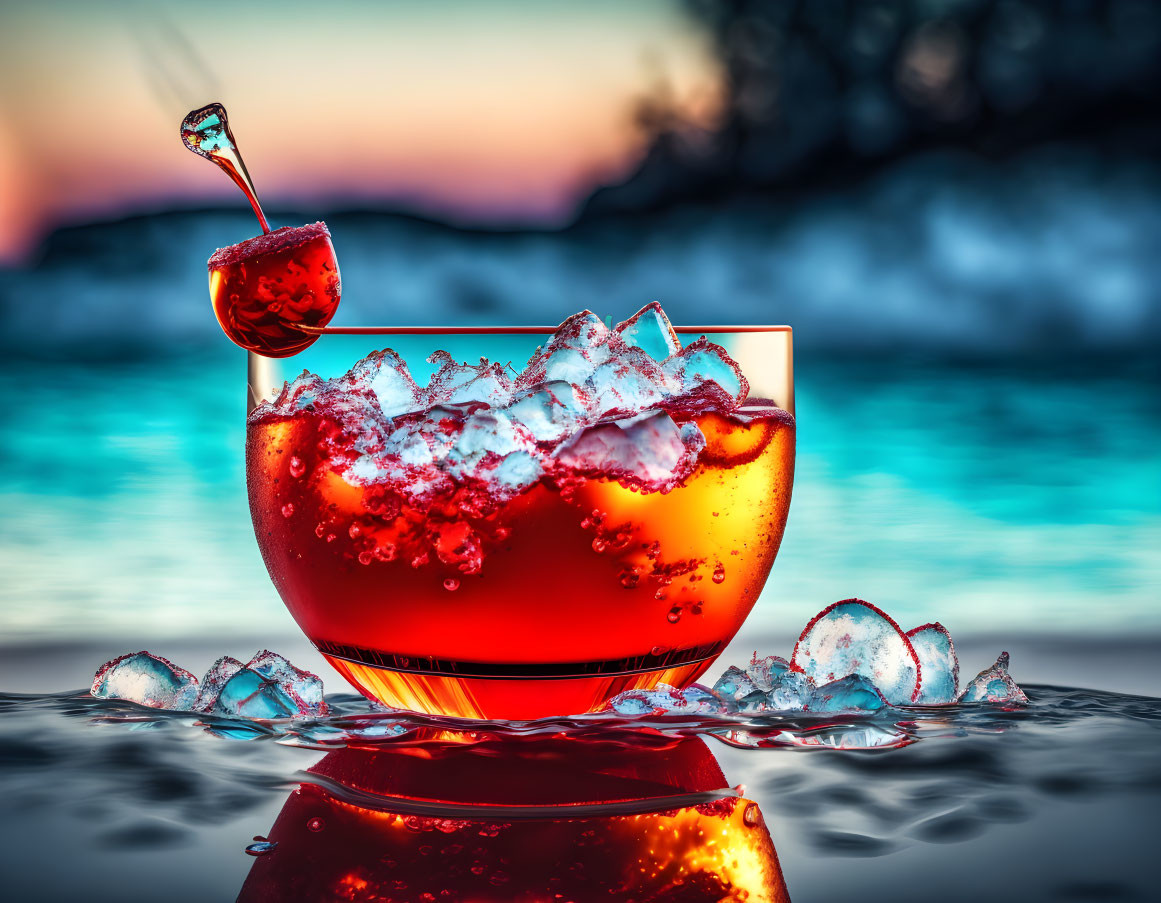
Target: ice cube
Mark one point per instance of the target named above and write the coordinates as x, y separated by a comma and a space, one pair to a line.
734, 684
650, 330
493, 450
385, 373
213, 681
462, 383
765, 671
854, 637
703, 375
146, 679
853, 693
791, 692
938, 665
666, 700
994, 685
303, 686
627, 383
550, 411
247, 694
578, 346
648, 450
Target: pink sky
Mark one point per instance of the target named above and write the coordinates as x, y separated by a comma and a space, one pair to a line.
474, 111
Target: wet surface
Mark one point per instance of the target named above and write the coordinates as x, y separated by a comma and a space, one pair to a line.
1058, 800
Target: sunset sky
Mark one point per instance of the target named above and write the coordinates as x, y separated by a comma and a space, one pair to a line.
475, 111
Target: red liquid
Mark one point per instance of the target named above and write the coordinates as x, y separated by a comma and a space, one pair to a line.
551, 603
543, 820
265, 288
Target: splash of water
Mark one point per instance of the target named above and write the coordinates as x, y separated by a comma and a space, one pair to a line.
206, 132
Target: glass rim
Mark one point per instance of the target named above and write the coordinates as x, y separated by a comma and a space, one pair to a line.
511, 330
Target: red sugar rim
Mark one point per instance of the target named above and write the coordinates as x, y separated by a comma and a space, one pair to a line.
794, 666
270, 243
939, 628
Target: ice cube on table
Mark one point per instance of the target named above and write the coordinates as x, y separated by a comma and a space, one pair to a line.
734, 685
303, 686
650, 330
704, 372
938, 664
247, 694
647, 450
146, 679
386, 374
791, 691
994, 685
550, 411
854, 637
214, 679
765, 671
666, 700
850, 694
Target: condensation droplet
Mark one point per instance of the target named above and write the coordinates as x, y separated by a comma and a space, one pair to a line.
354, 531
752, 817
316, 824
674, 615
297, 468
719, 574
288, 509
451, 584
366, 557
599, 545
261, 847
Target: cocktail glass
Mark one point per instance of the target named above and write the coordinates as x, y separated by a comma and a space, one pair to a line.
582, 594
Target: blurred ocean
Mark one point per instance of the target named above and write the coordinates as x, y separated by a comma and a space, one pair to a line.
978, 398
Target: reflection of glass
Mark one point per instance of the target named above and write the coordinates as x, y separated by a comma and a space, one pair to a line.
582, 594
531, 820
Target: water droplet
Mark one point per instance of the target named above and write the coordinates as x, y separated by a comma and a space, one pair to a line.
297, 468
478, 868
630, 578
498, 878
714, 513
425, 850
315, 824
366, 557
355, 531
674, 615
502, 533
740, 789
288, 509
451, 584
752, 817
331, 537
320, 530
696, 608
599, 545
719, 574
261, 847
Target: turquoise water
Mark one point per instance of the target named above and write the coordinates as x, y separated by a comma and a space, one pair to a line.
997, 498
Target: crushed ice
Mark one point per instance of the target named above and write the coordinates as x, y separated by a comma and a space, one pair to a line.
266, 687
851, 659
593, 401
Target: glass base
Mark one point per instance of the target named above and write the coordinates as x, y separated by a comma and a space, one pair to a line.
516, 692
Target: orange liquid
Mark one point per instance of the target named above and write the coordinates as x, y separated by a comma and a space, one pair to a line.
261, 299
551, 604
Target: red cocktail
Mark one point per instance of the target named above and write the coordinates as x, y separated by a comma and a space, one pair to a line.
536, 577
